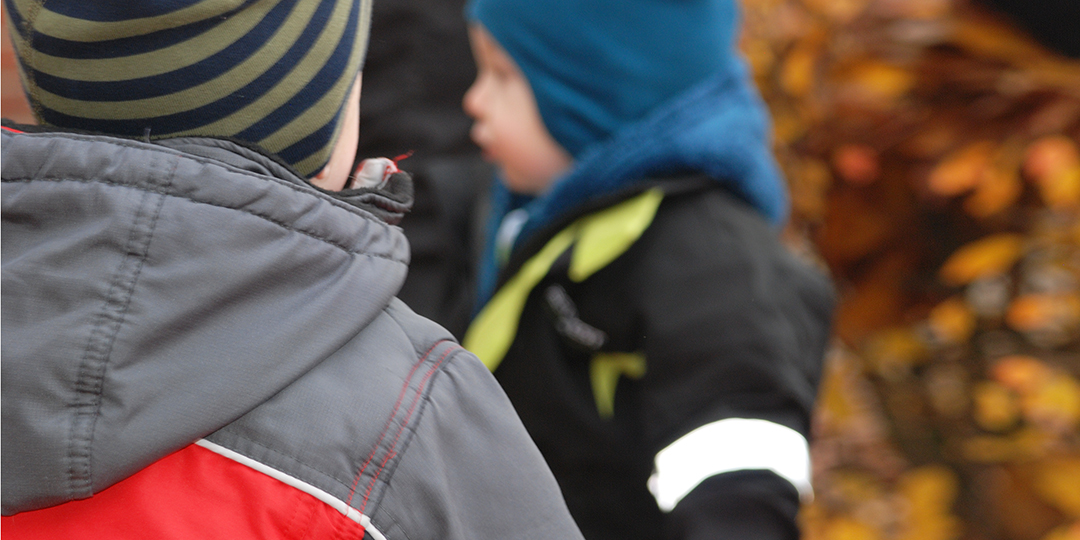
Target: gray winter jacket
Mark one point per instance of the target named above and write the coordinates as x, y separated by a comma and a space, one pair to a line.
156, 295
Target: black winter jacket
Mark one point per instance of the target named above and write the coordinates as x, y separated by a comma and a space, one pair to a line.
663, 308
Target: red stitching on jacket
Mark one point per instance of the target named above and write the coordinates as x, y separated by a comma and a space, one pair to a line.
5, 128
391, 453
389, 422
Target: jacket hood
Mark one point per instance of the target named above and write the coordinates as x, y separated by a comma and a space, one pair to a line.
155, 292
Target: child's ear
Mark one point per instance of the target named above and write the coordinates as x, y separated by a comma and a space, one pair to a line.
335, 175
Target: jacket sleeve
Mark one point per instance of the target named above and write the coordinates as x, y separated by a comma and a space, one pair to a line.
749, 505
471, 472
734, 334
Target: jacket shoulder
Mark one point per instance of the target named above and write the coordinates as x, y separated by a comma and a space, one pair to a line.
412, 434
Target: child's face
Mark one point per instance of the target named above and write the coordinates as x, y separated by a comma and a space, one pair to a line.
508, 127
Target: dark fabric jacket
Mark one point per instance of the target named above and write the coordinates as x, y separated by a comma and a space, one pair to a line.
646, 301
729, 325
196, 291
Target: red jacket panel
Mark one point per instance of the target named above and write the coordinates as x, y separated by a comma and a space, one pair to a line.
192, 493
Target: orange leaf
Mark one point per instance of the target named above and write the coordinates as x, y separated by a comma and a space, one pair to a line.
1041, 311
1021, 373
981, 258
1065, 532
998, 190
841, 11
878, 81
1050, 155
961, 170
856, 163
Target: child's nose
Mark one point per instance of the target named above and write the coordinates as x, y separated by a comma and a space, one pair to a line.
473, 100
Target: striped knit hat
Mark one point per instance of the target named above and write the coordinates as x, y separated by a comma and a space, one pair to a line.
275, 73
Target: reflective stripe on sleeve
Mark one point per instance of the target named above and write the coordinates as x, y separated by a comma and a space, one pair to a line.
732, 444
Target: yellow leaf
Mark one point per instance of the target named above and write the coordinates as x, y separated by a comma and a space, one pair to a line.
962, 170
952, 320
855, 485
1027, 444
984, 449
932, 527
1062, 189
1055, 404
930, 493
981, 258
874, 82
787, 125
995, 407
932, 488
797, 71
894, 349
845, 528
812, 521
809, 187
1057, 481
833, 400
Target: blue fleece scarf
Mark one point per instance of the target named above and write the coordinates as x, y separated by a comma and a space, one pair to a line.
718, 127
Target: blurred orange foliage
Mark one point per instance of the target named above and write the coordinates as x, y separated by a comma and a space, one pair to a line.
933, 157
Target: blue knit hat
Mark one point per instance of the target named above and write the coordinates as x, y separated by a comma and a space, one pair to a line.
597, 65
276, 73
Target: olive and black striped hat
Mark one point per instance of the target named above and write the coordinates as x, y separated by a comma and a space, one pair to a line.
276, 73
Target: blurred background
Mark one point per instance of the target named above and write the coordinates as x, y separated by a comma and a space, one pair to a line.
932, 152
931, 147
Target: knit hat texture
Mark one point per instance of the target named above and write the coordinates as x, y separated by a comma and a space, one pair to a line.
276, 73
597, 65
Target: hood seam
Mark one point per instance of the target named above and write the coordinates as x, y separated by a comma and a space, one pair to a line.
89, 386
